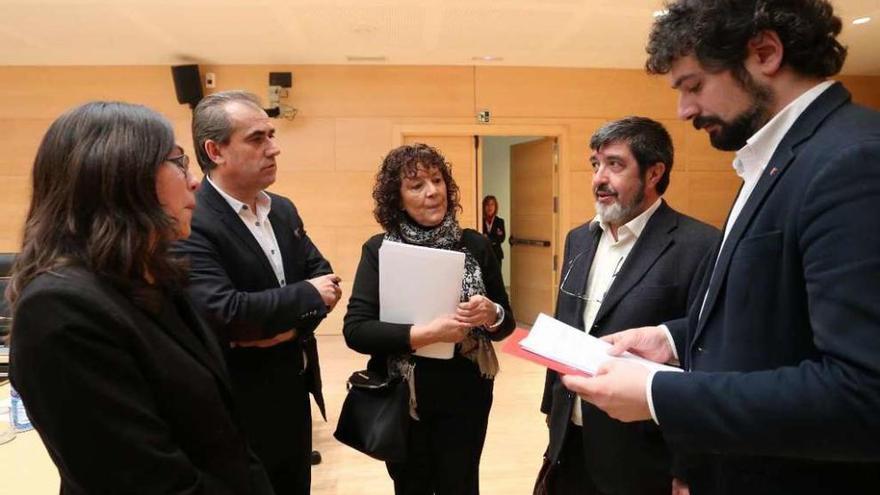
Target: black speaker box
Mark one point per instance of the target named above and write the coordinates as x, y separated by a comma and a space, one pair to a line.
187, 84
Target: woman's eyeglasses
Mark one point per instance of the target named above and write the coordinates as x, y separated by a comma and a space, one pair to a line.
181, 161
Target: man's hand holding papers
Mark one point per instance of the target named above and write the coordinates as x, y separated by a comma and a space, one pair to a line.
619, 388
619, 377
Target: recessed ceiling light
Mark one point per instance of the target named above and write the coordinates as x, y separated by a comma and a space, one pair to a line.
658, 13
861, 20
365, 58
488, 58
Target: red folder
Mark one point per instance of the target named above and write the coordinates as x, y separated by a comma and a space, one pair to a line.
511, 346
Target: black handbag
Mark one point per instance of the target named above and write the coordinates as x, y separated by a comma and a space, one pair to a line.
375, 416
545, 482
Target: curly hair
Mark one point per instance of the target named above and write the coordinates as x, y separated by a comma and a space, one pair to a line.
404, 161
717, 32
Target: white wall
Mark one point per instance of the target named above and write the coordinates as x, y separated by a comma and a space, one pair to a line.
496, 181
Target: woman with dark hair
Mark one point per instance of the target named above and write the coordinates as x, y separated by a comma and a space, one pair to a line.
122, 381
493, 226
416, 203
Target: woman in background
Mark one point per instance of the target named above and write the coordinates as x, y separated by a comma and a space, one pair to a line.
416, 203
493, 226
119, 376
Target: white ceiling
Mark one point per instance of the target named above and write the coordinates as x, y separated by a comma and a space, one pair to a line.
556, 33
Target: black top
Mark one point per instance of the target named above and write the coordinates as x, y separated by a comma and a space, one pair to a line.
128, 399
366, 334
496, 234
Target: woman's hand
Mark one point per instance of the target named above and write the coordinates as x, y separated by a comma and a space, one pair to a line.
478, 311
442, 329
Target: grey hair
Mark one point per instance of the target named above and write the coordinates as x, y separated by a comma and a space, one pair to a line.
648, 141
211, 122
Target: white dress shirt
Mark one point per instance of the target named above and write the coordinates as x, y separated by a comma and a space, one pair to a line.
260, 227
749, 164
609, 257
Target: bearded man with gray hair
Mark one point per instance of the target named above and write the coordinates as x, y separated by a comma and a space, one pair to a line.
635, 264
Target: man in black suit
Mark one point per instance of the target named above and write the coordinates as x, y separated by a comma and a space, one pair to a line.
262, 284
783, 351
635, 264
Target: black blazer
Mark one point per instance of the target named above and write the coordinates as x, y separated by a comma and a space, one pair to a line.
232, 279
366, 334
785, 359
658, 280
496, 234
128, 399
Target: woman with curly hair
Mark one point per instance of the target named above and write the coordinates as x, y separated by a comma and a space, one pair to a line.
121, 378
416, 203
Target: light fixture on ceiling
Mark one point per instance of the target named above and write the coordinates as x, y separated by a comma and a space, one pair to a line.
366, 58
658, 13
488, 58
861, 20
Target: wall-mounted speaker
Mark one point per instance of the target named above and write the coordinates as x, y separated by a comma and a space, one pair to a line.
187, 84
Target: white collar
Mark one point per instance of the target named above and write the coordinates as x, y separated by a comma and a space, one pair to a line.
264, 201
636, 225
752, 158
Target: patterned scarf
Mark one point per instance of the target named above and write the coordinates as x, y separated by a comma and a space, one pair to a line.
476, 346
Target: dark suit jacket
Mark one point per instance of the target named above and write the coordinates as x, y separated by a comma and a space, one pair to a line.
232, 279
128, 399
785, 360
657, 281
497, 234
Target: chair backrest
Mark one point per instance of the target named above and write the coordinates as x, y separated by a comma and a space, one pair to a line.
6, 261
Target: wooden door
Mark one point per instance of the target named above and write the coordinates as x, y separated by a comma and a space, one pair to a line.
532, 228
459, 151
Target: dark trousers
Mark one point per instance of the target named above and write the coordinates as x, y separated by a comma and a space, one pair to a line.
271, 391
446, 443
571, 476
573, 472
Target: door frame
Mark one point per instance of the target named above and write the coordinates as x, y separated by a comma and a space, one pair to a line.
561, 184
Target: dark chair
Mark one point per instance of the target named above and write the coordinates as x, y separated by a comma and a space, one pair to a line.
6, 260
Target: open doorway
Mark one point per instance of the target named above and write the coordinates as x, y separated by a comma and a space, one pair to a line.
520, 171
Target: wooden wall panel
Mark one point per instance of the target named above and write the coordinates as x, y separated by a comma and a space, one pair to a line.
361, 144
554, 92
363, 91
307, 144
347, 122
46, 92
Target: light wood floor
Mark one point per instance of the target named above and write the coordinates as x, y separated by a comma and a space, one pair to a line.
515, 441
514, 444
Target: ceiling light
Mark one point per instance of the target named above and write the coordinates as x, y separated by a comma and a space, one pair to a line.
488, 58
861, 20
658, 13
365, 58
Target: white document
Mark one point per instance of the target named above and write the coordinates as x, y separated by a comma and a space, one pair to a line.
418, 284
566, 344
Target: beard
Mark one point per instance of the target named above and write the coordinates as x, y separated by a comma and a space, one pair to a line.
619, 213
731, 136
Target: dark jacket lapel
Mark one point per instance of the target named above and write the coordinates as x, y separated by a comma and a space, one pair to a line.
653, 241
804, 127
210, 197
582, 254
196, 341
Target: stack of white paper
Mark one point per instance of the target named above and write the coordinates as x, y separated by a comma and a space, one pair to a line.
565, 344
418, 284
